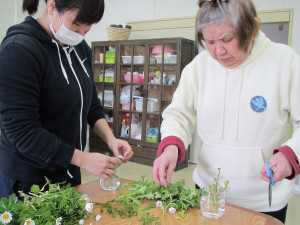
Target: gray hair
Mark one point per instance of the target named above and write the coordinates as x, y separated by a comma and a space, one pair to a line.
240, 14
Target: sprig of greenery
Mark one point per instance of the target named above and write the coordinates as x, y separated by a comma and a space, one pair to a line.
216, 189
128, 202
114, 176
45, 207
148, 219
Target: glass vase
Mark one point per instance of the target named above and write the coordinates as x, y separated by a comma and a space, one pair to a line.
112, 182
212, 205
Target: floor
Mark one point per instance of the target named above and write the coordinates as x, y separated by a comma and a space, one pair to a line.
134, 171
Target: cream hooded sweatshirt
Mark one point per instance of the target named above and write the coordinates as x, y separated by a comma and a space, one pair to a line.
241, 115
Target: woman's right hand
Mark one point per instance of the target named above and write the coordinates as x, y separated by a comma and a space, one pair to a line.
98, 164
164, 165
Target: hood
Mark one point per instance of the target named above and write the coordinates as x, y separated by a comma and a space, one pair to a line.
31, 28
258, 47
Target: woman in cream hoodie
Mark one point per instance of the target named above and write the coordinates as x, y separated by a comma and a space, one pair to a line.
242, 96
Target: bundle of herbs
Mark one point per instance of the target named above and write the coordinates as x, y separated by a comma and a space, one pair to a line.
60, 204
174, 197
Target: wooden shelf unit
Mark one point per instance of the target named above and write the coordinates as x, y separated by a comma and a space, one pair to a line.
135, 81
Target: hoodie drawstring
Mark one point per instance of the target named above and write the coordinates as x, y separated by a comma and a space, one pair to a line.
238, 106
80, 61
69, 174
223, 108
81, 95
61, 65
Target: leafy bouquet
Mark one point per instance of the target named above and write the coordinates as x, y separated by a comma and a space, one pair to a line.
60, 204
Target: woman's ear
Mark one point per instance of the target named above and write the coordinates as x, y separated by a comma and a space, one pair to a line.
50, 6
255, 33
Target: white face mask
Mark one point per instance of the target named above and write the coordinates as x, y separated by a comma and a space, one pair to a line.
66, 36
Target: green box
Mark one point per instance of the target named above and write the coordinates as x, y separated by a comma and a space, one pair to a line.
109, 79
153, 139
110, 57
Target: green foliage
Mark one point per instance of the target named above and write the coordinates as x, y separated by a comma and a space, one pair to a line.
205, 221
11, 205
44, 207
148, 218
128, 202
216, 189
114, 176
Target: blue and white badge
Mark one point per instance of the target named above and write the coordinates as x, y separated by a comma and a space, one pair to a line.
258, 104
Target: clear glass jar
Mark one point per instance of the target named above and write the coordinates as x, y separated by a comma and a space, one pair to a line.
111, 183
212, 205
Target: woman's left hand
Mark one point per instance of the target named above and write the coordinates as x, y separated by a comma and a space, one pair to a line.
120, 147
283, 167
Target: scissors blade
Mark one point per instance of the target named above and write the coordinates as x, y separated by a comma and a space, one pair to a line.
270, 175
270, 194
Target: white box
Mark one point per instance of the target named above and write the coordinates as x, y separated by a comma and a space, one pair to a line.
171, 59
126, 59
138, 103
108, 98
152, 105
139, 59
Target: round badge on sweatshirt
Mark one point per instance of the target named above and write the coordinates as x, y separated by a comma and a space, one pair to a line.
258, 104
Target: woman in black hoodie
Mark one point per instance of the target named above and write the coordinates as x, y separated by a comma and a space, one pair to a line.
47, 98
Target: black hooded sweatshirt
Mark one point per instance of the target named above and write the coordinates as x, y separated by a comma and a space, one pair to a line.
47, 97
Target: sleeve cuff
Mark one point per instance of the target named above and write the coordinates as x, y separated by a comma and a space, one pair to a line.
172, 140
291, 156
62, 158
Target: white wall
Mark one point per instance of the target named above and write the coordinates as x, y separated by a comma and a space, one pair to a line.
5, 16
118, 11
11, 13
283, 4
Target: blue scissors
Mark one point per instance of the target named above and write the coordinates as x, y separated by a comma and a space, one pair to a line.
270, 175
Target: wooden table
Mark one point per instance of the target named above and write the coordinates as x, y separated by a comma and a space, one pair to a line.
233, 215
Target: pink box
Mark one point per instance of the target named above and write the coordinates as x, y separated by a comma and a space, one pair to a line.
136, 78
126, 106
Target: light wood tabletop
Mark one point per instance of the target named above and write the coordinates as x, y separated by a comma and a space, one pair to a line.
233, 215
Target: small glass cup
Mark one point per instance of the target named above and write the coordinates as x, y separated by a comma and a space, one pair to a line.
112, 183
212, 205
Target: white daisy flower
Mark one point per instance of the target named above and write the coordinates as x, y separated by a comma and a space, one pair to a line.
58, 221
85, 197
89, 206
172, 210
29, 222
81, 222
98, 217
120, 157
158, 203
5, 218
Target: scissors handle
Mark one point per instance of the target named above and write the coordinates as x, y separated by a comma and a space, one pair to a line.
269, 173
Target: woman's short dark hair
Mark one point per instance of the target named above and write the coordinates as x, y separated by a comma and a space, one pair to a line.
89, 11
241, 14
